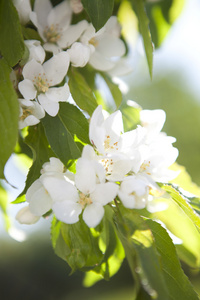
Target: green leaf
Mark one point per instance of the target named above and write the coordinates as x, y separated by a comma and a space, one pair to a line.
9, 115
114, 89
75, 121
99, 11
11, 39
130, 115
176, 196
178, 285
81, 92
60, 132
3, 206
143, 20
75, 244
30, 34
141, 253
38, 143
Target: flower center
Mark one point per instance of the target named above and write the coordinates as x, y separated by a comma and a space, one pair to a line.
108, 165
41, 83
93, 42
144, 167
107, 145
26, 112
84, 200
52, 33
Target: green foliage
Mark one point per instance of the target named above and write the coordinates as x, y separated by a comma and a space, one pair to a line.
3, 206
38, 143
81, 92
99, 11
9, 114
139, 8
11, 39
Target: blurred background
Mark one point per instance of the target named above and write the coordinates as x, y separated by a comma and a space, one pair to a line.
29, 269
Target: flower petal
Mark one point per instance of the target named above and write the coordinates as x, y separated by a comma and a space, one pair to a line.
24, 216
27, 89
49, 106
67, 211
93, 214
32, 69
58, 93
104, 193
56, 68
72, 34
39, 200
36, 51
100, 62
85, 177
60, 15
42, 10
79, 54
59, 188
110, 46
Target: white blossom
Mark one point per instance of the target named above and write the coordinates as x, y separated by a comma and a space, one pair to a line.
105, 46
24, 9
53, 24
36, 51
30, 113
89, 194
39, 81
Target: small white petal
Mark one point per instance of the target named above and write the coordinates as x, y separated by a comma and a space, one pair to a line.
85, 177
104, 193
27, 89
55, 165
24, 216
67, 211
39, 200
23, 8
49, 106
72, 34
58, 93
36, 51
42, 10
110, 46
79, 54
56, 68
50, 47
114, 126
61, 15
59, 188
93, 214
32, 69
99, 62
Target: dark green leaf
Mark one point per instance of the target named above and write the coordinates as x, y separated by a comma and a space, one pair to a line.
114, 89
176, 196
11, 39
81, 92
99, 11
31, 34
38, 143
75, 121
9, 115
60, 137
139, 8
178, 285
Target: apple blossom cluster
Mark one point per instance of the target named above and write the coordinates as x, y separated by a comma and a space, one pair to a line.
42, 83
117, 166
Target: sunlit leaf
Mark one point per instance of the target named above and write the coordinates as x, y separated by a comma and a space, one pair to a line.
138, 5
9, 114
3, 207
99, 11
178, 285
176, 196
11, 40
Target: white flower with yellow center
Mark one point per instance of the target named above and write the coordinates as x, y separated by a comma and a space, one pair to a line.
39, 81
105, 46
53, 24
30, 113
89, 194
